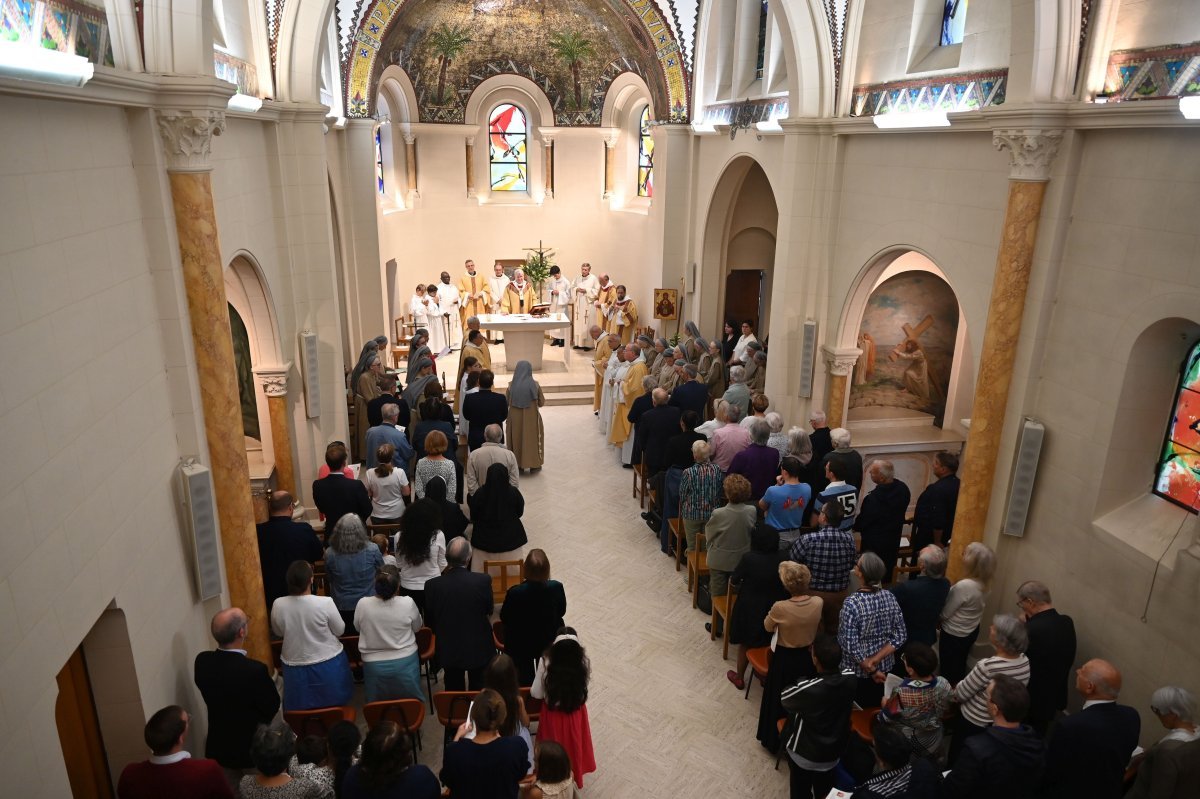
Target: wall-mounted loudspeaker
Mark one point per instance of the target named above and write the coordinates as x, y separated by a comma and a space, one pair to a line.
808, 357
201, 512
312, 377
1020, 493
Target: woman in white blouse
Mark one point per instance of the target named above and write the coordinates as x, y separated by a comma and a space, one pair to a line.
315, 670
963, 610
387, 486
387, 639
420, 549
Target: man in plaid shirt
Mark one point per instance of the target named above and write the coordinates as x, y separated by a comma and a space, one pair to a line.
829, 554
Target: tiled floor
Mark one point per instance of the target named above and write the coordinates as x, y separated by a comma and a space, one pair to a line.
665, 721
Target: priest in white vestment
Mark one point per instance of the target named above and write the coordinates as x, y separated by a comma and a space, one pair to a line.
616, 364
584, 291
438, 333
497, 283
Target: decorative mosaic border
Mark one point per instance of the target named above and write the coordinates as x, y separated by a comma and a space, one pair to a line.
751, 111
368, 39
965, 91
1153, 73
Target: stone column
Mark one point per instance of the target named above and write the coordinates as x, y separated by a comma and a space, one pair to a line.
470, 166
410, 160
274, 381
610, 165
840, 361
1031, 153
187, 139
548, 163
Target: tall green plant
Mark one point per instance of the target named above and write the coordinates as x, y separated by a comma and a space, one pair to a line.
572, 48
447, 41
537, 265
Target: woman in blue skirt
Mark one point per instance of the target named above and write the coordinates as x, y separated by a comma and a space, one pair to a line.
387, 639
315, 670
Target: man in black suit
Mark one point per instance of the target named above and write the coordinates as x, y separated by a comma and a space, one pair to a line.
822, 444
1051, 654
1089, 750
238, 691
935, 507
281, 541
881, 514
643, 403
659, 425
691, 394
336, 494
458, 608
482, 408
390, 396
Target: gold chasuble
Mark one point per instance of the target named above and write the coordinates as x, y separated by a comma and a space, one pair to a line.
606, 298
625, 319
511, 299
468, 286
631, 389
600, 358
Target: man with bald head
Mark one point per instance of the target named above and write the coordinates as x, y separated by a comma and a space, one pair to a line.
281, 541
1089, 750
628, 388
238, 691
458, 608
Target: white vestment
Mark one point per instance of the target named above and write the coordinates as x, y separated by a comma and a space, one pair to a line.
497, 285
558, 302
585, 311
437, 328
606, 394
451, 304
420, 305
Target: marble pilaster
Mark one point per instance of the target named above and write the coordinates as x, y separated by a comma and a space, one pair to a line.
610, 166
840, 361
274, 382
1031, 153
187, 138
410, 160
548, 163
470, 148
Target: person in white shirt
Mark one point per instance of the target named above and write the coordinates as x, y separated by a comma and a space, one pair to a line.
558, 292
739, 349
420, 549
584, 291
316, 672
387, 640
963, 609
419, 305
439, 331
387, 486
451, 302
497, 284
613, 374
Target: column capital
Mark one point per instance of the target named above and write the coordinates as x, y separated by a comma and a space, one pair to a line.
840, 360
187, 138
1031, 151
410, 138
274, 379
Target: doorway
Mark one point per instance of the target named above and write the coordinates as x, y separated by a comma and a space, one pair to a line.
744, 297
79, 732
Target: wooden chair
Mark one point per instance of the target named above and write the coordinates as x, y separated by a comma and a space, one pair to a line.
675, 525
533, 706
409, 714
451, 708
697, 567
498, 635
320, 579
501, 572
785, 727
760, 663
317, 721
639, 484
722, 608
277, 653
860, 722
426, 649
388, 530
350, 646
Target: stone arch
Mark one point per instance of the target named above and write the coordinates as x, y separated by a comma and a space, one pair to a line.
891, 262
626, 91
248, 294
298, 51
742, 200
514, 89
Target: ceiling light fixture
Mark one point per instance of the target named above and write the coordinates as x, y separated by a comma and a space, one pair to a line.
44, 66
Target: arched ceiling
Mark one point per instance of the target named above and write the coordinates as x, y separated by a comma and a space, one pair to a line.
490, 37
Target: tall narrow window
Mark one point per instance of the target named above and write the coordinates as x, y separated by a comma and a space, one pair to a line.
1178, 477
645, 157
379, 163
954, 21
762, 41
508, 157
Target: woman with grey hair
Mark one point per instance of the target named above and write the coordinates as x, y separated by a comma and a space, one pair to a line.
1169, 769
271, 749
963, 609
1008, 638
870, 630
351, 561
778, 439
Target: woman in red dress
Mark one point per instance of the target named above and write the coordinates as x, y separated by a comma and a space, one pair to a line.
562, 683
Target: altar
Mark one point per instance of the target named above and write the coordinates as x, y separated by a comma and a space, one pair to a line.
524, 335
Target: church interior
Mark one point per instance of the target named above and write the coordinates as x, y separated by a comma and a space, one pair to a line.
1007, 185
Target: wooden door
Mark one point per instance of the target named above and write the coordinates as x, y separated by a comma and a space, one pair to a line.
742, 298
79, 732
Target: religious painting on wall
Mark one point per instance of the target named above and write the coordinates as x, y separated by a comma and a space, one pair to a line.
245, 375
1178, 477
666, 303
907, 337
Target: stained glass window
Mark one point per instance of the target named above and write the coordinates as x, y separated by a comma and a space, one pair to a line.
1178, 477
762, 41
645, 157
954, 21
508, 157
78, 27
379, 162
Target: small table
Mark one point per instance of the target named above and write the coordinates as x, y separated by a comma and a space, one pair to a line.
523, 334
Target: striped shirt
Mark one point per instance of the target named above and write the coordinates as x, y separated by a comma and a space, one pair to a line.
971, 693
700, 491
